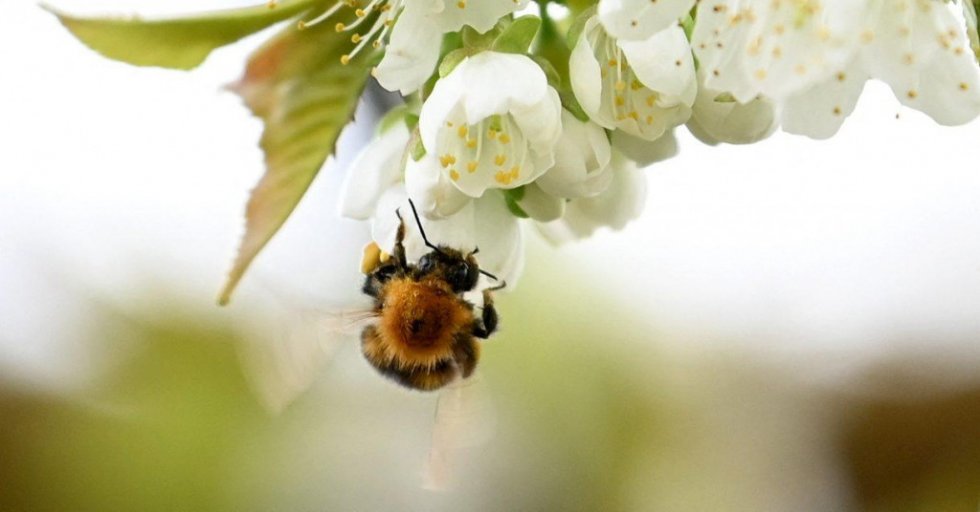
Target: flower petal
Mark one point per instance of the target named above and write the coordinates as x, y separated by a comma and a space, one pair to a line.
719, 34
412, 52
640, 19
586, 77
433, 192
663, 62
443, 104
377, 167
582, 157
777, 48
819, 111
624, 102
498, 82
714, 120
482, 15
492, 122
951, 93
645, 152
500, 239
923, 53
539, 205
541, 125
614, 208
794, 45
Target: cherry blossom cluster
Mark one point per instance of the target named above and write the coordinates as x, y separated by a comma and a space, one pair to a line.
500, 128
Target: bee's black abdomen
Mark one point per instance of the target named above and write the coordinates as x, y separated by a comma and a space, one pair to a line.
424, 380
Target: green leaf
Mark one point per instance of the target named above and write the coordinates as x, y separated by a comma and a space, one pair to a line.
452, 59
725, 97
416, 150
518, 36
554, 79
305, 96
570, 102
578, 26
476, 41
687, 22
178, 43
512, 198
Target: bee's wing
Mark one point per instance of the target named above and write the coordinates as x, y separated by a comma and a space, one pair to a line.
464, 418
284, 362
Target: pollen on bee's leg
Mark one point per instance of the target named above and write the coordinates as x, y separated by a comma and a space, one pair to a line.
371, 258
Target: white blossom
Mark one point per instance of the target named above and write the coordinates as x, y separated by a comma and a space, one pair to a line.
922, 51
582, 157
819, 111
376, 168
413, 52
619, 204
814, 57
775, 48
641, 87
718, 117
411, 32
432, 189
493, 122
500, 146
645, 152
540, 205
373, 190
919, 48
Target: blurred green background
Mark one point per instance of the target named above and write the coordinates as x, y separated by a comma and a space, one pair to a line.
582, 408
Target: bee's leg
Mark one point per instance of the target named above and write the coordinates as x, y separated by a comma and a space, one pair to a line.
374, 282
397, 265
466, 352
399, 254
484, 326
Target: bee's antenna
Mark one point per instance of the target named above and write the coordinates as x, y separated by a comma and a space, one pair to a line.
488, 274
418, 222
501, 286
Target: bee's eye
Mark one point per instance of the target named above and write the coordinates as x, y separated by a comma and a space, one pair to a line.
462, 277
459, 273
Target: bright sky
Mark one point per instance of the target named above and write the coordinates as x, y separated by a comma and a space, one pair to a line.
857, 249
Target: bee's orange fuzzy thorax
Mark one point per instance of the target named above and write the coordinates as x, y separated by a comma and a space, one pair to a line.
419, 320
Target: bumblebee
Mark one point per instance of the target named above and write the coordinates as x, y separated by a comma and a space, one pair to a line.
426, 332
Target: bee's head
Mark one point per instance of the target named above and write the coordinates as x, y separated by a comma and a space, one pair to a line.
461, 272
